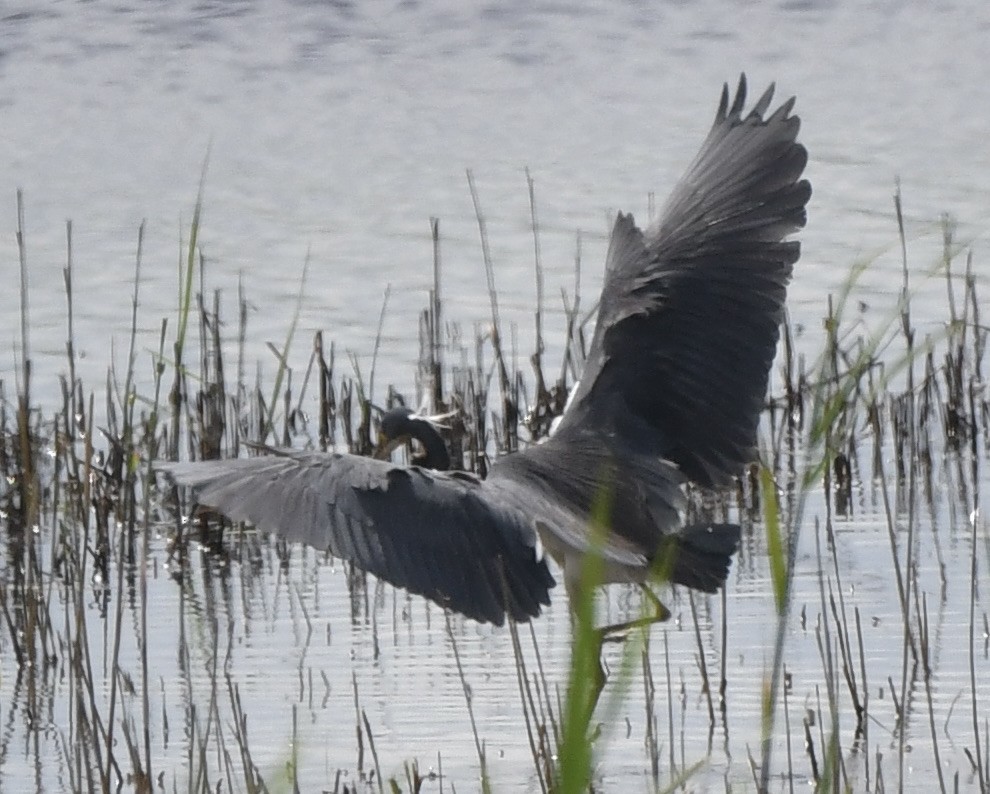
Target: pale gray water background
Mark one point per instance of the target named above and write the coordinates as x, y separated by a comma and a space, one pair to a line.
339, 130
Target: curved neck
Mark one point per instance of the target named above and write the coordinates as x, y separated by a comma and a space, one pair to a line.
435, 454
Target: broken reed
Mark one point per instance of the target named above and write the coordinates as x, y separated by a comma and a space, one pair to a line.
77, 506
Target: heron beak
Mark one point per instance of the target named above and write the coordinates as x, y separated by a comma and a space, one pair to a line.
387, 446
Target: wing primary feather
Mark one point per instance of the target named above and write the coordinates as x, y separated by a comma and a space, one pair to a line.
762, 103
740, 98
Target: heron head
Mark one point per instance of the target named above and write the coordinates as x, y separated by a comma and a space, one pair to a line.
400, 425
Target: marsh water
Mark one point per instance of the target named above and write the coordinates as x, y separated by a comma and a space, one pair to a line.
331, 133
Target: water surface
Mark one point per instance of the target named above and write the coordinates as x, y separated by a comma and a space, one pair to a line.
333, 133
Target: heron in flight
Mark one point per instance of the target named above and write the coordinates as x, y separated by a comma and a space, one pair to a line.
671, 393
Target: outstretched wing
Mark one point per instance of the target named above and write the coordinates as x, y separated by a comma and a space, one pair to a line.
432, 533
690, 311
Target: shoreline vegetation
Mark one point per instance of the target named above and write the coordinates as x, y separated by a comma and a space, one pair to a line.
883, 409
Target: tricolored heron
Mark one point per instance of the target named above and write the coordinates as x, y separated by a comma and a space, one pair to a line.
671, 392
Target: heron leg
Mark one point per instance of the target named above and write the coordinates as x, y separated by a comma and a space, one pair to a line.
601, 677
617, 632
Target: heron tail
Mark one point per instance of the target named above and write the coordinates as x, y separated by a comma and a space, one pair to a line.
700, 555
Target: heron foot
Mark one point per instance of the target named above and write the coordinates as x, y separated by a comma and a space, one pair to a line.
618, 632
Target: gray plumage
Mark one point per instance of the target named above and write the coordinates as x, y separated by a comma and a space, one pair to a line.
672, 391
432, 533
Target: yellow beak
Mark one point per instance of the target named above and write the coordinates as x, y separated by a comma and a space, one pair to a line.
386, 446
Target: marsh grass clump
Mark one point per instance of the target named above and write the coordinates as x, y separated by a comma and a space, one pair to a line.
888, 422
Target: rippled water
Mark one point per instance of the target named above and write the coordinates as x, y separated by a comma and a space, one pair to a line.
306, 658
334, 132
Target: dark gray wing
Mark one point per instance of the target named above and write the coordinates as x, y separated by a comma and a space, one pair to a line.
690, 311
432, 533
